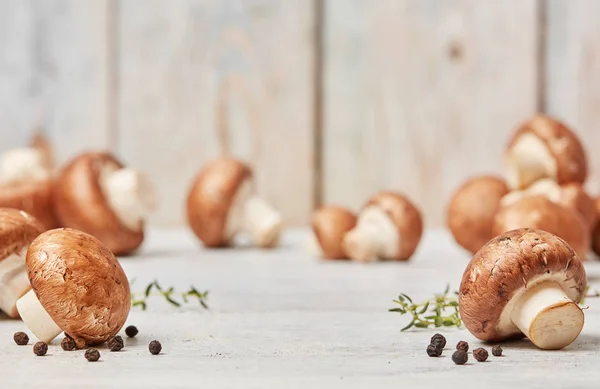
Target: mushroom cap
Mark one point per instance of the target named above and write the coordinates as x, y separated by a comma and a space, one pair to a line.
573, 196
80, 203
80, 284
561, 142
405, 216
33, 197
329, 225
540, 213
596, 230
471, 211
17, 230
211, 196
503, 268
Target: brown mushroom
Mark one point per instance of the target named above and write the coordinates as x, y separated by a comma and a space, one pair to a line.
540, 213
525, 282
596, 231
330, 224
78, 287
543, 147
221, 203
96, 194
570, 195
388, 227
17, 230
472, 209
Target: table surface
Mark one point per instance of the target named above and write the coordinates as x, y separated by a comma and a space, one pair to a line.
282, 318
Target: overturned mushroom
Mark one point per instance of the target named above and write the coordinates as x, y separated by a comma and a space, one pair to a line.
389, 227
78, 287
96, 194
525, 282
472, 209
17, 230
540, 213
330, 224
221, 203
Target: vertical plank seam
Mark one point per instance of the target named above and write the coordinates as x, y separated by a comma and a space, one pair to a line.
112, 63
542, 68
318, 108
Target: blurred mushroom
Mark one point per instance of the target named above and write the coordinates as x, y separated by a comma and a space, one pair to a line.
96, 194
389, 227
540, 213
472, 209
525, 282
330, 224
78, 287
543, 147
221, 203
596, 230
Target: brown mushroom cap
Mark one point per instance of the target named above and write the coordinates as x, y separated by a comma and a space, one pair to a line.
538, 212
472, 209
33, 197
574, 196
211, 196
500, 272
81, 204
329, 225
562, 144
80, 284
17, 230
596, 231
405, 216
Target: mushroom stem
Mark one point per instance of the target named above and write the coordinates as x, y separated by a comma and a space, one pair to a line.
374, 236
130, 195
261, 221
36, 318
24, 164
547, 316
529, 160
14, 283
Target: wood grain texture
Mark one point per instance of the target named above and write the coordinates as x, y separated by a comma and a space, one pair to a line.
572, 73
419, 95
54, 69
200, 78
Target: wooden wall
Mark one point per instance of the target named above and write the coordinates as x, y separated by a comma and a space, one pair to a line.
330, 100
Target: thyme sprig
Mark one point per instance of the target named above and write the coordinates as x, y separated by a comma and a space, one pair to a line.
430, 313
173, 297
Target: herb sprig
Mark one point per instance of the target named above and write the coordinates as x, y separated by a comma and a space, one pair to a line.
173, 297
430, 313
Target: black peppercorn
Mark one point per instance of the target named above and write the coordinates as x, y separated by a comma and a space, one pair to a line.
115, 343
40, 349
67, 344
480, 354
155, 347
92, 355
497, 351
460, 357
462, 345
439, 340
131, 331
21, 338
433, 350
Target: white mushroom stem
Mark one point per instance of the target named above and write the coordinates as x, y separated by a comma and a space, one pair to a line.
24, 164
130, 195
14, 282
545, 187
375, 236
547, 316
36, 318
528, 161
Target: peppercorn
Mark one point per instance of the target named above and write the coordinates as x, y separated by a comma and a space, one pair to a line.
433, 350
67, 344
92, 355
40, 349
480, 354
155, 347
460, 357
21, 338
115, 343
497, 351
462, 345
439, 340
131, 331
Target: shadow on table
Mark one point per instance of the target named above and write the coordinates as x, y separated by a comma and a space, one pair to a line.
585, 342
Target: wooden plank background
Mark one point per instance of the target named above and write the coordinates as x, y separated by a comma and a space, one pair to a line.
330, 100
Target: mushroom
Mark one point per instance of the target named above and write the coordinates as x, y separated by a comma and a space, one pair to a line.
96, 194
543, 147
596, 230
570, 195
388, 227
525, 282
471, 211
540, 213
17, 230
330, 224
78, 287
221, 203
